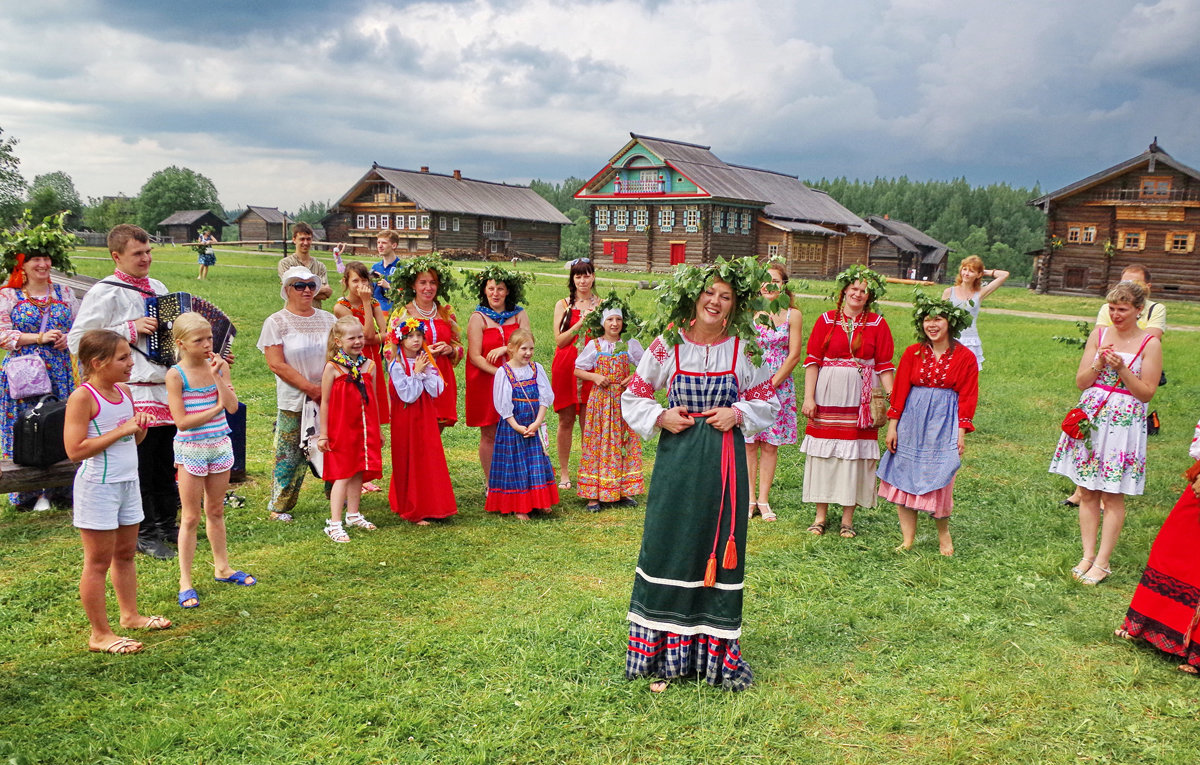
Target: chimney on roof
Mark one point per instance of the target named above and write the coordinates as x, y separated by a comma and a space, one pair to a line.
458, 175
424, 168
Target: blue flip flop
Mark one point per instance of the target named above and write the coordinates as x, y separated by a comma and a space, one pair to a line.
239, 578
187, 595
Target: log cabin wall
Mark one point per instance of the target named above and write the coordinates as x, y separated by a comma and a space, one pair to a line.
466, 237
887, 259
542, 239
807, 254
252, 227
337, 228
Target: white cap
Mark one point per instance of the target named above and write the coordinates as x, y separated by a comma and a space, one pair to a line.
611, 312
297, 274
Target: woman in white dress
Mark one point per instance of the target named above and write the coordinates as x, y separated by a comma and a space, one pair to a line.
968, 292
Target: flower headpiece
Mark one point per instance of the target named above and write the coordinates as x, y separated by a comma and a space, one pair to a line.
46, 239
676, 299
925, 307
410, 325
593, 325
876, 285
404, 278
476, 283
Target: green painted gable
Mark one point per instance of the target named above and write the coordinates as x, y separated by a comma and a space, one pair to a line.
637, 158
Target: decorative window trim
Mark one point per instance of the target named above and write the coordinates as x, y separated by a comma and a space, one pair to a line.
1089, 234
620, 219
443, 223
455, 224
372, 222
641, 218
1188, 238
602, 218
360, 221
718, 220
412, 222
773, 250
425, 222
383, 221
1137, 245
1156, 184
691, 220
489, 226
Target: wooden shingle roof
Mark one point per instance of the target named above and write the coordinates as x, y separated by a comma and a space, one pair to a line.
439, 193
1151, 156
269, 214
188, 217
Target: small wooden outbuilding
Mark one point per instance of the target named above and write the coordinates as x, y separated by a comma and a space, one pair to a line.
1145, 210
262, 223
185, 225
906, 251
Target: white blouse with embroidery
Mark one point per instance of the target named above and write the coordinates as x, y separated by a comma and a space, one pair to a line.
502, 389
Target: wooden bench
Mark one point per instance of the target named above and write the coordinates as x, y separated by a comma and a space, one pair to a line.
20, 478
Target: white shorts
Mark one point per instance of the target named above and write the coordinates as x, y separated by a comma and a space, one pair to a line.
107, 506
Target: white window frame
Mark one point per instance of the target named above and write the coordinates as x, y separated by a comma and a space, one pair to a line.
489, 226
455, 224
666, 219
372, 221
360, 221
1089, 235
691, 220
773, 250
641, 218
718, 220
494, 246
412, 223
443, 223
383, 221
1074, 234
746, 218
425, 222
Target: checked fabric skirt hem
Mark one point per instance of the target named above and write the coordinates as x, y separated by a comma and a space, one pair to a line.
668, 656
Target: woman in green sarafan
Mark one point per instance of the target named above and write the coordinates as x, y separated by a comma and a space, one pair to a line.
686, 610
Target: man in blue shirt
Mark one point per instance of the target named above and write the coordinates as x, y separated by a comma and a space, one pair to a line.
385, 244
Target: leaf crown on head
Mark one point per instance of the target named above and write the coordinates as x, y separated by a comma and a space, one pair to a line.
404, 278
47, 239
676, 297
876, 285
925, 307
476, 283
593, 325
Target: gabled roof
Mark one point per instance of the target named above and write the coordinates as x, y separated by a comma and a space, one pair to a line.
268, 214
910, 239
441, 193
1153, 155
188, 217
792, 200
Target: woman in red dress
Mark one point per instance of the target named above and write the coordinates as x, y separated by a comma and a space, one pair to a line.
499, 313
570, 392
418, 283
357, 301
1165, 611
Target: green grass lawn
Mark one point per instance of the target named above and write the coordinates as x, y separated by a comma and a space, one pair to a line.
487, 640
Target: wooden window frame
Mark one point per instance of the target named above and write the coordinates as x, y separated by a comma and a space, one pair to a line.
443, 223
1089, 235
1189, 238
488, 226
1074, 234
1122, 243
773, 250
455, 224
1155, 180
360, 221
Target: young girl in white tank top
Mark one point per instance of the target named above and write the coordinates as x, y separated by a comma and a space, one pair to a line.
102, 431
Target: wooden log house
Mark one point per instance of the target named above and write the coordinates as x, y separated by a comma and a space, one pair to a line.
1145, 210
185, 225
659, 202
457, 216
258, 223
905, 251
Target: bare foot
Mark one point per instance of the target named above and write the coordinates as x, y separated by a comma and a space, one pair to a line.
522, 516
658, 686
1188, 668
904, 547
422, 523
947, 550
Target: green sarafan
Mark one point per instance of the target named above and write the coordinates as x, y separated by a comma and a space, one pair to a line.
675, 300
48, 239
476, 282
404, 278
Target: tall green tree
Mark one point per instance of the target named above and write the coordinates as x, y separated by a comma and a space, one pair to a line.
12, 183
102, 213
173, 189
311, 212
52, 193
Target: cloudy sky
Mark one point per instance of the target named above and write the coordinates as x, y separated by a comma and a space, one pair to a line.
282, 102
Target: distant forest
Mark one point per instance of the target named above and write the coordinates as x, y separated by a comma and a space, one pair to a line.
994, 222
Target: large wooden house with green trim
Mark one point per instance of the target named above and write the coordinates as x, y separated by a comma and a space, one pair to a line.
658, 203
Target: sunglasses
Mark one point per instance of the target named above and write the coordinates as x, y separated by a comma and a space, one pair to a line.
301, 286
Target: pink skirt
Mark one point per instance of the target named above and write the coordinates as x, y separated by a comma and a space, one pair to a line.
938, 503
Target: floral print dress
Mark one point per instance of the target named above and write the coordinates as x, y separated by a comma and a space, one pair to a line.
1113, 459
774, 343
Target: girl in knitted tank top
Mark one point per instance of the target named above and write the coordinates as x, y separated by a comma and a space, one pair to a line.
102, 431
199, 393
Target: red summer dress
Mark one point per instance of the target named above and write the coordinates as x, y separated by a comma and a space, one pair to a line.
371, 351
564, 383
481, 411
354, 441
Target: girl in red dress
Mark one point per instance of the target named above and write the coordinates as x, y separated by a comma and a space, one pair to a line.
421, 487
499, 314
349, 426
571, 393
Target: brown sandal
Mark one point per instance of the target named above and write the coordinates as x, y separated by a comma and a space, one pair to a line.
847, 532
817, 529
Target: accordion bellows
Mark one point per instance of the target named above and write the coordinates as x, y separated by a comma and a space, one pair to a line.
167, 308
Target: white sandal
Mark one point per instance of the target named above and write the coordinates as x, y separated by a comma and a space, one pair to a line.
335, 532
357, 519
764, 509
753, 505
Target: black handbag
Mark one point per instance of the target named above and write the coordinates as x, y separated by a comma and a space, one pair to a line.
38, 434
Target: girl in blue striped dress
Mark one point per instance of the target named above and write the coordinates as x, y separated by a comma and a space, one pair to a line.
199, 393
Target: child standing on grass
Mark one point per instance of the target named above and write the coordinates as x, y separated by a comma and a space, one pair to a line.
610, 470
420, 488
102, 430
199, 393
521, 477
358, 302
349, 436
